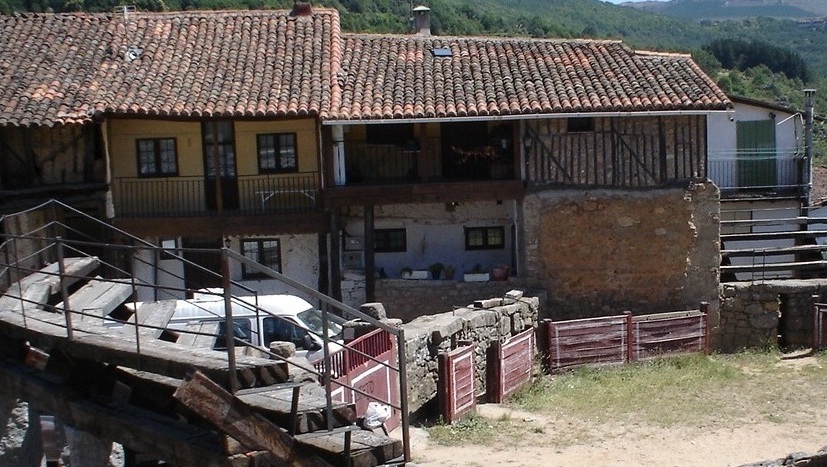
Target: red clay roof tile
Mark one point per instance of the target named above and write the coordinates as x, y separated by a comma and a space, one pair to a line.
66, 68
512, 76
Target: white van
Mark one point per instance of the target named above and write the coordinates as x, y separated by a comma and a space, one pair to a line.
280, 318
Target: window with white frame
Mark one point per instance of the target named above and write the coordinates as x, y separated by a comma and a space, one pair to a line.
157, 157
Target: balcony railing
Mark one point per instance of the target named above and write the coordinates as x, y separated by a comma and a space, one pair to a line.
378, 164
193, 196
754, 172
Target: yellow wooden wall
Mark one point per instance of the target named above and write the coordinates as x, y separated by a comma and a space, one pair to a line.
123, 133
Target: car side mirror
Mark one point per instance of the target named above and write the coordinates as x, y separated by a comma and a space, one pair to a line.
310, 343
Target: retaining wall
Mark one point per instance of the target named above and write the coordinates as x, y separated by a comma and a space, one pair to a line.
407, 299
426, 336
768, 313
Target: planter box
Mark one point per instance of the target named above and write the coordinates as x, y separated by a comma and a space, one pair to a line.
417, 275
476, 277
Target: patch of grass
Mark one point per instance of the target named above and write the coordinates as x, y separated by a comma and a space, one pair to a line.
471, 429
639, 392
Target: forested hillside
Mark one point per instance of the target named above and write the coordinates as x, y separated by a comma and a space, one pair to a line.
768, 48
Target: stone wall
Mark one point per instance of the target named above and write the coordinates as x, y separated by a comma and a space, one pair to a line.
756, 314
427, 336
605, 251
408, 299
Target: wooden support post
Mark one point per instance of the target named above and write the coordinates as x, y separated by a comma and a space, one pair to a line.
335, 256
236, 419
370, 259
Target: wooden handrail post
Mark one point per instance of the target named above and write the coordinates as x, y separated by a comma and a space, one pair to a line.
403, 393
228, 318
64, 291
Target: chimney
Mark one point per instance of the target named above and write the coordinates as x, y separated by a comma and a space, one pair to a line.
422, 20
301, 9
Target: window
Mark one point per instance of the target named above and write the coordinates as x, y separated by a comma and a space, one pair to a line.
579, 125
241, 331
157, 157
266, 251
484, 238
277, 152
390, 133
390, 241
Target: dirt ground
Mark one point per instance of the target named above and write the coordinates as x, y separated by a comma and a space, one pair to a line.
536, 440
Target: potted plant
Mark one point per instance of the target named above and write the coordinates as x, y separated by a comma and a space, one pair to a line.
449, 272
476, 274
436, 270
499, 272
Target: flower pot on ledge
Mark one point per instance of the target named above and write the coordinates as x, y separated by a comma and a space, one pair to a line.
499, 273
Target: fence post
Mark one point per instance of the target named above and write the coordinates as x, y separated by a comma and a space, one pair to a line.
494, 388
816, 324
64, 292
549, 340
228, 318
707, 344
630, 347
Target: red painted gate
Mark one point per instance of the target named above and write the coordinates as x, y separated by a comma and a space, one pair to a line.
377, 376
577, 342
510, 365
456, 385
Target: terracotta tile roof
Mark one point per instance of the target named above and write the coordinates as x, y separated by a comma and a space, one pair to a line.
385, 77
66, 68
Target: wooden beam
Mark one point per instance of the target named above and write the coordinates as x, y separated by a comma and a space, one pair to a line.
224, 225
235, 418
137, 429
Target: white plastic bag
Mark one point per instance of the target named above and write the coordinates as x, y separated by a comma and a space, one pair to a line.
376, 415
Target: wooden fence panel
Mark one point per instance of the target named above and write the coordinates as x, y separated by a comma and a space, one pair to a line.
668, 333
457, 386
587, 341
510, 366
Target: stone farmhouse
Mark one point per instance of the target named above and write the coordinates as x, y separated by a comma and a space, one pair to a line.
343, 159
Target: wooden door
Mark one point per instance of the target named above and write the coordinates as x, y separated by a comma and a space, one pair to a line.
756, 154
220, 177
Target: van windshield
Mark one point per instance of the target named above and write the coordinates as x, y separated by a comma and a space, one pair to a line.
312, 318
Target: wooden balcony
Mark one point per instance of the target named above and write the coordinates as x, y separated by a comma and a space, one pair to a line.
435, 172
247, 204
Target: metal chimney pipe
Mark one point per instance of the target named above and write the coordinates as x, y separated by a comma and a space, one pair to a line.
807, 163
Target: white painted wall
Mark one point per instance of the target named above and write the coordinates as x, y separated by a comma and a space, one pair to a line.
722, 142
435, 233
299, 261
